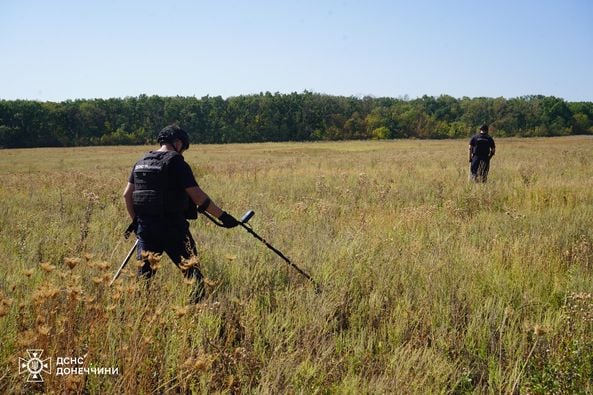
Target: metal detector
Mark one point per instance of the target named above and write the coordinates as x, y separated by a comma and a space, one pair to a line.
243, 222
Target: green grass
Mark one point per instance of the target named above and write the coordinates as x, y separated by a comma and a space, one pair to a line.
431, 284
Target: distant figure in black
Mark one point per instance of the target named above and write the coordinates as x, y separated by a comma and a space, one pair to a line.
481, 150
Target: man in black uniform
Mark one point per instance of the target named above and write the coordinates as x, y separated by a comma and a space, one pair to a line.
481, 150
160, 195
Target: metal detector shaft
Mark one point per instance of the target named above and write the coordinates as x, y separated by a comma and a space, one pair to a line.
280, 254
246, 217
125, 262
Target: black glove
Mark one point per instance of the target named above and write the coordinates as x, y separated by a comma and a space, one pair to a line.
228, 221
133, 227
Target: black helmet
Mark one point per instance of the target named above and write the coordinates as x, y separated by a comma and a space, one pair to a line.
484, 128
171, 133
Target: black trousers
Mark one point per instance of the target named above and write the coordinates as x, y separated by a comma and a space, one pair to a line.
479, 168
170, 235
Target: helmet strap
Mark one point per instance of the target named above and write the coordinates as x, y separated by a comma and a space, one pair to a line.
175, 145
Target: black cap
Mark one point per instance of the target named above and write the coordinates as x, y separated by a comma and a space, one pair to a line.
171, 133
484, 128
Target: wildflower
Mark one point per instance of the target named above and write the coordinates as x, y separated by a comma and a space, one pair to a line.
201, 363
91, 196
188, 363
27, 338
42, 294
209, 282
187, 264
43, 330
240, 352
75, 292
539, 330
3, 310
71, 262
189, 281
73, 383
5, 302
46, 266
153, 259
103, 266
180, 311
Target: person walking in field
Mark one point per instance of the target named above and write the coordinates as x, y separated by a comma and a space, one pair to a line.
481, 150
161, 194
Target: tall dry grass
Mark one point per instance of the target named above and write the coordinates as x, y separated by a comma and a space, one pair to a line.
431, 284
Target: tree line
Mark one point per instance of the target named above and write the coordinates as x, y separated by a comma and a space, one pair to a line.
283, 117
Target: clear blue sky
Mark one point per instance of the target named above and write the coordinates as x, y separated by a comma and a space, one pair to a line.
58, 50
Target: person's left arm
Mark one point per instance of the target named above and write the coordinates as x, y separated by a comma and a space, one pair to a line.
128, 200
202, 200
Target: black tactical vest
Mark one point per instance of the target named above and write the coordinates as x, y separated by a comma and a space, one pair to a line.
482, 148
155, 193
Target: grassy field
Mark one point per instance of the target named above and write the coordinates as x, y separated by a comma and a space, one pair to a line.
431, 284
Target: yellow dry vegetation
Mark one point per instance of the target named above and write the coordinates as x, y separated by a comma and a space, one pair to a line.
431, 284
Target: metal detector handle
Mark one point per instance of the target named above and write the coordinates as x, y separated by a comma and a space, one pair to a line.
247, 216
124, 263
